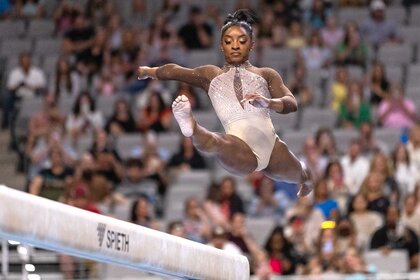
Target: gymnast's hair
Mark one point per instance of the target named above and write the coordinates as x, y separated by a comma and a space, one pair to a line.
242, 18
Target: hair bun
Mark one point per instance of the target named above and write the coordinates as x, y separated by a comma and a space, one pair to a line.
240, 15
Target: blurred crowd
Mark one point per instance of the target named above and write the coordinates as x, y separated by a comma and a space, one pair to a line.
364, 198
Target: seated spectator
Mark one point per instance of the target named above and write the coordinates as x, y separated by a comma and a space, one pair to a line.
213, 208
378, 30
312, 158
99, 11
23, 81
141, 213
295, 36
355, 110
405, 171
5, 9
394, 235
325, 141
84, 118
270, 34
281, 253
397, 111
105, 84
133, 173
79, 196
339, 88
331, 33
373, 188
410, 215
30, 9
315, 55
79, 39
346, 236
103, 142
219, 239
352, 50
230, 201
355, 166
365, 221
187, 157
240, 236
53, 182
368, 142
327, 250
334, 175
378, 84
324, 202
269, 203
64, 16
176, 228
156, 116
196, 223
122, 120
64, 82
353, 264
317, 15
381, 163
196, 33
260, 266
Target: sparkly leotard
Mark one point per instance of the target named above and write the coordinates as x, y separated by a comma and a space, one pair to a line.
251, 124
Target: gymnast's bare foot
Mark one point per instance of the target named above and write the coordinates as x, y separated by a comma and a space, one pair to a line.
181, 108
306, 187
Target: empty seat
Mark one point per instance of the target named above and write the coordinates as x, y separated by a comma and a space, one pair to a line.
352, 14
284, 122
397, 14
168, 142
199, 178
314, 118
48, 46
396, 54
208, 119
13, 47
40, 28
394, 262
413, 75
176, 197
280, 59
130, 145
295, 140
415, 16
11, 29
343, 138
389, 136
410, 34
105, 104
202, 57
413, 93
84, 143
260, 229
395, 73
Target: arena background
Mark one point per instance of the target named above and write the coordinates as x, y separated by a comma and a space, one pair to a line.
353, 65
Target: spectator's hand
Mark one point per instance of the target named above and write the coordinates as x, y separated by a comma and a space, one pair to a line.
256, 100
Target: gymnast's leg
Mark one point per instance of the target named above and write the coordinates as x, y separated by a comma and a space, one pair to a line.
232, 153
284, 166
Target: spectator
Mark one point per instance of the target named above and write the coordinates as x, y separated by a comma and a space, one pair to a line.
231, 202
270, 34
25, 80
297, 85
64, 82
377, 30
295, 36
355, 167
103, 143
352, 50
156, 116
187, 157
196, 223
339, 88
65, 15
269, 203
346, 236
98, 55
79, 196
365, 221
213, 208
260, 266
324, 202
355, 110
397, 111
394, 235
84, 117
313, 159
405, 171
327, 250
379, 84
30, 9
281, 253
315, 55
353, 264
410, 215
105, 84
334, 176
176, 228
122, 120
316, 17
373, 189
219, 240
240, 236
413, 147
99, 12
381, 163
5, 9
331, 33
79, 39
141, 213
368, 142
325, 141
196, 34
53, 182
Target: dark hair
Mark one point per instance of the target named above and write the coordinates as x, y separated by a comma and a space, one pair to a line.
243, 18
133, 214
76, 108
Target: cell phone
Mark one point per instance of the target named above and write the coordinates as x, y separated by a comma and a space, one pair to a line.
327, 246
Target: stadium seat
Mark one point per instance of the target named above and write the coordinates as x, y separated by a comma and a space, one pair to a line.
260, 229
284, 122
395, 261
280, 59
295, 140
415, 16
396, 54
203, 57
130, 145
395, 74
343, 137
314, 118
397, 14
40, 28
177, 195
413, 75
352, 14
13, 47
201, 178
408, 34
389, 136
11, 29
106, 105
48, 46
207, 119
84, 143
169, 141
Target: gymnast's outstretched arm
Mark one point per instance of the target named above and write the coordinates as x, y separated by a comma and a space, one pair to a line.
199, 77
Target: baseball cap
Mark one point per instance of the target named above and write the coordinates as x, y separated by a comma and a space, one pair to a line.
377, 5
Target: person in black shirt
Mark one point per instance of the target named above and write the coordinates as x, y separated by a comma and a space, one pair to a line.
79, 39
196, 34
187, 157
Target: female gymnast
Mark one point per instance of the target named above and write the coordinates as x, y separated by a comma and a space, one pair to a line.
242, 96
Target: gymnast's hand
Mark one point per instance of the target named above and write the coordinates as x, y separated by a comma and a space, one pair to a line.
256, 100
144, 72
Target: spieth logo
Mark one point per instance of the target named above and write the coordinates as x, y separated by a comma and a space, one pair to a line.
115, 240
101, 233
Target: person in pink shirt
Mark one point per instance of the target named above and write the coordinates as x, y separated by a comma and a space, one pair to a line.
397, 111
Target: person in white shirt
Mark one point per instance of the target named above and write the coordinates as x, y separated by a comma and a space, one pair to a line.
405, 171
355, 167
410, 215
25, 80
219, 240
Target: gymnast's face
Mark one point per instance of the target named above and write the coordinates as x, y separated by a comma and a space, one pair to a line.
236, 44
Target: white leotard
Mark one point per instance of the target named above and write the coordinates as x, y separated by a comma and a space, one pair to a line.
250, 124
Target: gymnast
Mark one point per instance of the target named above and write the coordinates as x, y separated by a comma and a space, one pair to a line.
242, 96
